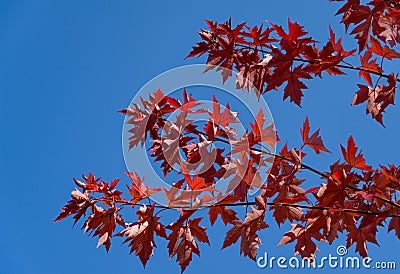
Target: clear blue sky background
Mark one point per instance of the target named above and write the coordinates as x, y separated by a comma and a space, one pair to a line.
66, 67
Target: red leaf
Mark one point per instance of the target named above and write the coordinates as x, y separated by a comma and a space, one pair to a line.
103, 223
294, 85
199, 232
362, 94
140, 234
305, 245
246, 230
182, 243
349, 154
365, 232
78, 206
369, 65
394, 223
222, 119
315, 141
373, 106
283, 213
227, 214
195, 183
334, 193
328, 58
295, 31
265, 134
385, 51
138, 190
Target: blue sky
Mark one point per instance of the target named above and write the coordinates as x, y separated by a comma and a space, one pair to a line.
66, 67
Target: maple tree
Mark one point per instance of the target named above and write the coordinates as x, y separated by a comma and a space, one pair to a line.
353, 199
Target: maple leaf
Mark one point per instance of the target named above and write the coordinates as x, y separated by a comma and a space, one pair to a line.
195, 183
137, 189
107, 189
390, 22
91, 182
330, 222
394, 223
305, 245
364, 20
368, 66
178, 196
204, 156
314, 141
265, 134
295, 31
332, 193
346, 9
253, 73
349, 154
140, 234
386, 95
103, 223
182, 240
208, 43
223, 54
283, 213
294, 85
227, 214
367, 93
365, 232
246, 230
225, 118
259, 35
328, 58
78, 205
258, 134
148, 119
384, 51
392, 175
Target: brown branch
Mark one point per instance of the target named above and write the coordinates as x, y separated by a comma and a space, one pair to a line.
348, 210
344, 66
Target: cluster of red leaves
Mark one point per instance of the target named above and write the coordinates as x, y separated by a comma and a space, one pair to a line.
268, 58
353, 200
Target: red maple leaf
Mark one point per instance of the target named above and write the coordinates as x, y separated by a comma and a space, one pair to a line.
349, 154
305, 245
384, 51
225, 118
266, 134
365, 232
284, 213
247, 232
195, 183
227, 214
314, 141
137, 189
327, 58
394, 223
103, 223
364, 19
78, 206
295, 31
140, 234
182, 240
259, 35
368, 66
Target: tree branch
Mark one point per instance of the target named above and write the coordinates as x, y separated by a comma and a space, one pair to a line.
162, 207
344, 66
